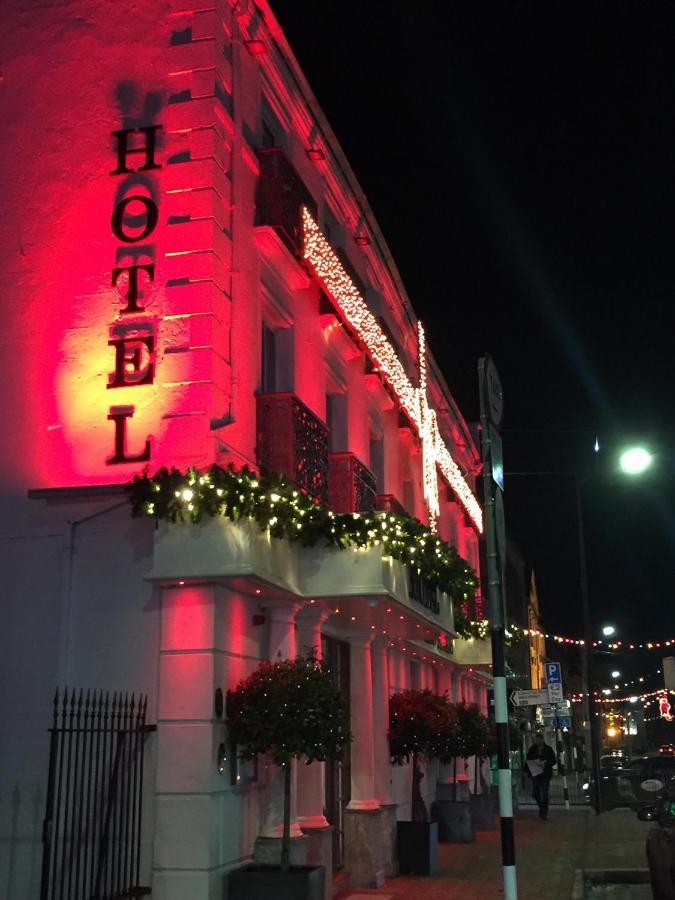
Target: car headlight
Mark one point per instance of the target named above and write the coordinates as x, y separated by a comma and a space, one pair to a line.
585, 787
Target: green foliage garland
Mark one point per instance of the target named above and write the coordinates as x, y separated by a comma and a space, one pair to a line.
289, 513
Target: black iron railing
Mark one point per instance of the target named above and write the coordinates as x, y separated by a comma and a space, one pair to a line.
279, 196
351, 486
293, 441
92, 827
420, 591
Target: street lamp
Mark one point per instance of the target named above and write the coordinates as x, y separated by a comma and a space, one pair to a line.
608, 630
616, 674
635, 461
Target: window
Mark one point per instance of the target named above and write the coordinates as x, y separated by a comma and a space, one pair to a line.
272, 131
336, 420
376, 463
276, 359
268, 137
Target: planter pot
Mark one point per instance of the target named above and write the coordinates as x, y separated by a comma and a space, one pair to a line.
482, 812
454, 821
417, 847
262, 882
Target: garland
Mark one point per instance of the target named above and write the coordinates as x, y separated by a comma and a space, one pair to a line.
291, 514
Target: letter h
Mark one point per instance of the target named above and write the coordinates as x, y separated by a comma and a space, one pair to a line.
123, 149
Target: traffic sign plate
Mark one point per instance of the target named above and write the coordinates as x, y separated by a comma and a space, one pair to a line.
555, 692
553, 673
529, 698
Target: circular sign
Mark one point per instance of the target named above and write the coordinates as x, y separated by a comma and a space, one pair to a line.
651, 785
495, 395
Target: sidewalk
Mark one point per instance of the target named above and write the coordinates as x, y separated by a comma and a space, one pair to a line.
547, 856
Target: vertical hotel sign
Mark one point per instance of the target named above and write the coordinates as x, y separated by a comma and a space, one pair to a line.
134, 219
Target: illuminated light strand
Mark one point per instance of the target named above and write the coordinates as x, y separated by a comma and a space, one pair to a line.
608, 645
330, 271
645, 697
429, 432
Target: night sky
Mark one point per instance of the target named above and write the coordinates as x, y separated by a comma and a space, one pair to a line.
520, 163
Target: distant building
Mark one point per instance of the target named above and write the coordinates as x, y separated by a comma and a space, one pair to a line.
193, 276
536, 638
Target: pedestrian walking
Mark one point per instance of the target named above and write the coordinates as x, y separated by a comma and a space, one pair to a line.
539, 765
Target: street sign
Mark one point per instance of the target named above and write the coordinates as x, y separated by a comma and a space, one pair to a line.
553, 673
564, 722
555, 692
552, 709
529, 698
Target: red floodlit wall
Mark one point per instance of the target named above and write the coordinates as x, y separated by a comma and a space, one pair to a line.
131, 266
114, 240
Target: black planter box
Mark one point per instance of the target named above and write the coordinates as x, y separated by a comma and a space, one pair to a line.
482, 812
454, 821
265, 882
417, 848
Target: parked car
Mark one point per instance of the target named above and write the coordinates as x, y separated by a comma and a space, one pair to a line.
660, 844
634, 785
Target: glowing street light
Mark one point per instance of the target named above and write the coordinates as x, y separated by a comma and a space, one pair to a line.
635, 460
608, 630
616, 674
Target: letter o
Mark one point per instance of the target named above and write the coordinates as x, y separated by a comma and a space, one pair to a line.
117, 220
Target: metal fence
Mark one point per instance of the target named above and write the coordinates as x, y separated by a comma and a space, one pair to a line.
556, 796
92, 826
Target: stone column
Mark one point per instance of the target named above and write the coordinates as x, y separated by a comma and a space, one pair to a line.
191, 796
311, 784
312, 778
382, 758
281, 644
445, 682
363, 837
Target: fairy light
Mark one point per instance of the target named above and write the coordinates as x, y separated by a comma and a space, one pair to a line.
330, 271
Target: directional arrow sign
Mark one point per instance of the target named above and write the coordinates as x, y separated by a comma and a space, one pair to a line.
529, 698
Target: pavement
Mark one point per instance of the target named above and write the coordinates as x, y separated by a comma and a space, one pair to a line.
548, 855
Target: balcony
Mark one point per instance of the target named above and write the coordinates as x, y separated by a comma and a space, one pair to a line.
420, 591
279, 196
365, 587
389, 503
291, 440
351, 486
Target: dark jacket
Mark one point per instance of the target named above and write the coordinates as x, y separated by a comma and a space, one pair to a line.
545, 755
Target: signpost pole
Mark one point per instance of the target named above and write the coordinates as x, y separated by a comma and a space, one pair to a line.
490, 416
562, 762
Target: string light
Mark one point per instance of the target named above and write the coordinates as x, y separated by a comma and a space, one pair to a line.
352, 306
619, 646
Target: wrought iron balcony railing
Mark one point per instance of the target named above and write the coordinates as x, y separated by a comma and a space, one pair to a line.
389, 503
351, 486
280, 194
293, 441
422, 592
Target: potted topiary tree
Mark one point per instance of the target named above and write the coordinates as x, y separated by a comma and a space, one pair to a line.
418, 723
475, 730
451, 808
288, 709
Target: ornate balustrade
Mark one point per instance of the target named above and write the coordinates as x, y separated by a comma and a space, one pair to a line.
351, 486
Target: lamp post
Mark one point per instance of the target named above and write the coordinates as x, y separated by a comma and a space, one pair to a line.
587, 655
